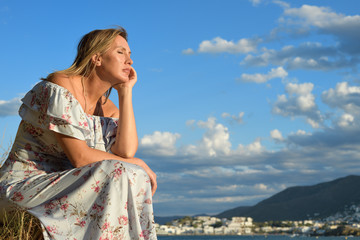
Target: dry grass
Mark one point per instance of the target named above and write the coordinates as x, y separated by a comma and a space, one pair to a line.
20, 225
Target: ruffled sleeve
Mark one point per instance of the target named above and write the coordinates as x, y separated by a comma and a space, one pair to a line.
50, 106
109, 128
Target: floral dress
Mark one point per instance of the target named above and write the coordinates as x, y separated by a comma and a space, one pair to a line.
108, 199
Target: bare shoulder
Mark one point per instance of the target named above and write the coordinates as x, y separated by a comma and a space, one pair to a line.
63, 80
110, 109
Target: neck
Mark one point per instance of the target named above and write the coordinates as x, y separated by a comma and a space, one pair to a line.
93, 89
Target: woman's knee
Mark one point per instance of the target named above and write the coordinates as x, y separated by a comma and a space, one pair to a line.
115, 168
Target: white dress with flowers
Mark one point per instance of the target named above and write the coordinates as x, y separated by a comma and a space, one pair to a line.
109, 199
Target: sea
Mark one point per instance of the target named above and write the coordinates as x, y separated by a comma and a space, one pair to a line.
269, 237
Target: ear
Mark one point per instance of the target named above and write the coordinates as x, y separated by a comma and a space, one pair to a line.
96, 60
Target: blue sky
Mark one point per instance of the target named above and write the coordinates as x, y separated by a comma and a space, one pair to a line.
236, 100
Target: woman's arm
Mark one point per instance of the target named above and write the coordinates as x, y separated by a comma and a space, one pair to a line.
80, 154
126, 142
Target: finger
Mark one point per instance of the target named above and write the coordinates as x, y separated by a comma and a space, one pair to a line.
153, 187
132, 69
153, 190
132, 72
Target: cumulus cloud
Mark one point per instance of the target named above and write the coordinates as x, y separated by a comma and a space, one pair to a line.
219, 45
263, 78
276, 135
309, 55
10, 107
344, 97
339, 137
236, 118
344, 28
299, 102
214, 142
253, 148
159, 143
344, 133
312, 55
250, 172
346, 120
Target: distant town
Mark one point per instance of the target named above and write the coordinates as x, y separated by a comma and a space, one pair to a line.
341, 224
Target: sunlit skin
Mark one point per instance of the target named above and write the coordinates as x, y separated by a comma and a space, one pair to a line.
112, 69
115, 65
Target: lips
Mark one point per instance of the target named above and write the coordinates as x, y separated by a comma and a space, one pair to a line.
126, 70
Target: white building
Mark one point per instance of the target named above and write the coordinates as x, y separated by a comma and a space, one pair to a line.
209, 230
240, 225
166, 230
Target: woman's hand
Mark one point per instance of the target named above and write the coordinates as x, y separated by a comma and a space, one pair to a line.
150, 173
128, 84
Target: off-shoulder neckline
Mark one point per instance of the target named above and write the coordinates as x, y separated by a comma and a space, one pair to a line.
73, 97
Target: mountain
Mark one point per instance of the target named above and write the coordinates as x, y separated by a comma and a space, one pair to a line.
303, 202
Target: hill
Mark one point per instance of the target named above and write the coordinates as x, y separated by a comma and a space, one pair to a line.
164, 220
303, 202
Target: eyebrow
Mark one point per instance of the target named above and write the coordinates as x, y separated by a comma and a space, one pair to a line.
123, 49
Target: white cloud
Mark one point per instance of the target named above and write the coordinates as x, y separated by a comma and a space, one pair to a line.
159, 143
10, 107
318, 154
346, 120
251, 149
252, 170
322, 17
308, 55
237, 118
343, 27
276, 135
344, 97
347, 99
219, 45
313, 123
188, 51
281, 3
214, 142
314, 56
227, 171
301, 132
300, 102
262, 78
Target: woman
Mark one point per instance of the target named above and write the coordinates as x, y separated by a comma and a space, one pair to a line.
72, 164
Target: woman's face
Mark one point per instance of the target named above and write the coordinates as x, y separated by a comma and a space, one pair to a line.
114, 65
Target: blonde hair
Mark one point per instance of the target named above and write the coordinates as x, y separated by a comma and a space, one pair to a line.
94, 42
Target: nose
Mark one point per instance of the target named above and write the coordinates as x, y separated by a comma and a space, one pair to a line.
129, 60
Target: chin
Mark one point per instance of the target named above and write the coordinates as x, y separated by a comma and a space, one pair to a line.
122, 79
